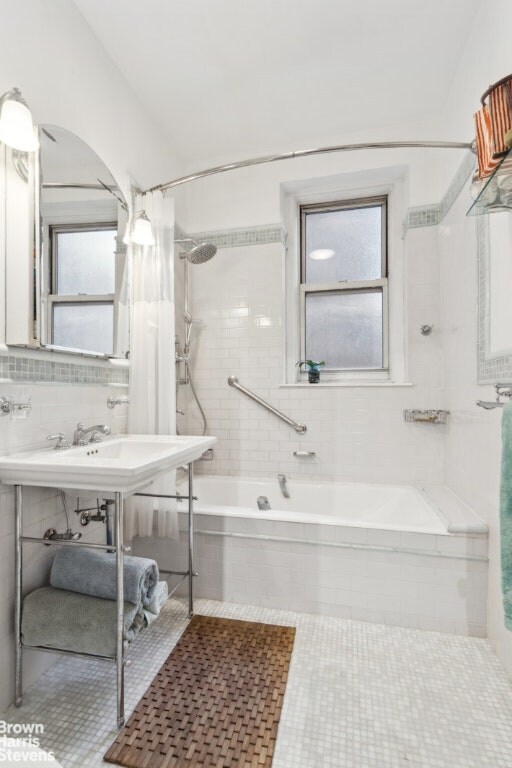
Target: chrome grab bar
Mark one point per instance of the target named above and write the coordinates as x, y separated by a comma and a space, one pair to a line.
300, 428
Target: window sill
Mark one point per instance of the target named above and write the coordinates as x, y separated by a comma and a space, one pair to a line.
305, 384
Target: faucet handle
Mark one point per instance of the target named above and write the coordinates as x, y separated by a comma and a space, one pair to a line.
62, 440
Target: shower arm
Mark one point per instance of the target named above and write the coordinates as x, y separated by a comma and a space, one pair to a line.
307, 152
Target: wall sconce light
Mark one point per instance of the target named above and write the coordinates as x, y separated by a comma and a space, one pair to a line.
139, 230
16, 124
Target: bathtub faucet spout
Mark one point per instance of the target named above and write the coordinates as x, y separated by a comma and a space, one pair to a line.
281, 479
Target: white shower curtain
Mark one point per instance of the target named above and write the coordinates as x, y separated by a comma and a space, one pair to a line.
152, 373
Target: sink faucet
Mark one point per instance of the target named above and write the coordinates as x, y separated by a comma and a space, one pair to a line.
84, 436
281, 479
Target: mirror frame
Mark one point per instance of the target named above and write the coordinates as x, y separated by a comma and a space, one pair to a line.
25, 262
492, 368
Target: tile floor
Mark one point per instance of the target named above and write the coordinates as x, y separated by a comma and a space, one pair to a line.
359, 695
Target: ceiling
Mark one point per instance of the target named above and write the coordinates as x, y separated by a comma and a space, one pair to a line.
230, 79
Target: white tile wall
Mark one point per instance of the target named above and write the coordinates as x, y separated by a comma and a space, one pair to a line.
473, 436
358, 433
56, 408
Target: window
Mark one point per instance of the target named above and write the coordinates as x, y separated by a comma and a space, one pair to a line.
343, 284
82, 280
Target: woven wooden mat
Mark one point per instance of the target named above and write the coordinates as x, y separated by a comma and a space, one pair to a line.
216, 701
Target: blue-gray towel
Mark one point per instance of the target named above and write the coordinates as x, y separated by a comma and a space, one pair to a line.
56, 618
506, 513
92, 572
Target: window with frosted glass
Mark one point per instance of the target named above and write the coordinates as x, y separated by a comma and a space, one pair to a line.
81, 303
344, 284
345, 328
85, 326
85, 261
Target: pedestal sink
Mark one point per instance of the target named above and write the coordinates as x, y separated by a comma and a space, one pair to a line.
121, 463
118, 465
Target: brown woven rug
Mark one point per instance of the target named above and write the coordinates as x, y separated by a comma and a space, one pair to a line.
216, 701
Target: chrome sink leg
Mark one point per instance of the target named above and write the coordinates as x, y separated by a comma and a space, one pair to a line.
120, 661
191, 539
18, 673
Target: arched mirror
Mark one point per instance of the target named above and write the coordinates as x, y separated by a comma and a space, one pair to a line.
80, 270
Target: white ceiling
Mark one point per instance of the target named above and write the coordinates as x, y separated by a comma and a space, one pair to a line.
230, 79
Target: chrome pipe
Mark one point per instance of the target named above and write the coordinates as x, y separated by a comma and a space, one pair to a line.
178, 585
191, 539
300, 428
18, 672
71, 543
308, 152
61, 652
77, 185
118, 526
165, 495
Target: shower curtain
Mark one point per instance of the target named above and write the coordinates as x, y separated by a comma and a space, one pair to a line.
152, 376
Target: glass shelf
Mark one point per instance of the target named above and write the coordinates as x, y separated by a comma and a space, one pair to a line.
495, 194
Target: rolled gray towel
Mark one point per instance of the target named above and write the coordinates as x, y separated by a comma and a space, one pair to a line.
93, 573
159, 598
56, 618
152, 610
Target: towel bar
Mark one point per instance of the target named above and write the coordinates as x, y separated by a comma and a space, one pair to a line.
502, 390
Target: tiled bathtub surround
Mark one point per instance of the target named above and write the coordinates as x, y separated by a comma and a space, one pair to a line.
358, 432
398, 578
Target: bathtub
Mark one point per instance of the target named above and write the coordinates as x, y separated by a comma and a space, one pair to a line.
391, 507
399, 555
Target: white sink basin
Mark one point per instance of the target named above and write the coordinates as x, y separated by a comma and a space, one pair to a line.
121, 463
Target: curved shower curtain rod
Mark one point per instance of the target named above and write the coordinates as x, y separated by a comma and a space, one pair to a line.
306, 152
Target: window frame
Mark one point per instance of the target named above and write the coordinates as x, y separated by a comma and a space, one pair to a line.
53, 298
347, 286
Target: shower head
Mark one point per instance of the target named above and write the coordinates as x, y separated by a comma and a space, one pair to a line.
200, 253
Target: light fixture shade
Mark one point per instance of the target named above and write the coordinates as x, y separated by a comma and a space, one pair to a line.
142, 231
16, 124
320, 254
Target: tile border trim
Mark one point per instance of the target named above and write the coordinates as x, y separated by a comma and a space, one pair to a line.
491, 367
243, 236
432, 215
20, 368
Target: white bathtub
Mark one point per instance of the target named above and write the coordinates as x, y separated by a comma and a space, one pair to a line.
389, 507
399, 555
